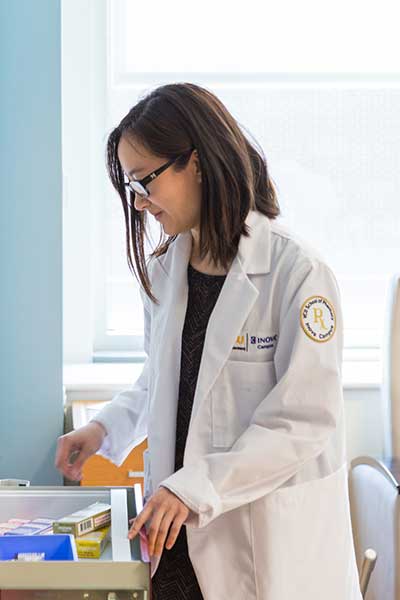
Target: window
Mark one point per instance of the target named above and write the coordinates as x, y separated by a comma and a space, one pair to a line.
326, 115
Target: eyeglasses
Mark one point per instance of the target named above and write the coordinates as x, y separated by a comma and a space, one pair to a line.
138, 186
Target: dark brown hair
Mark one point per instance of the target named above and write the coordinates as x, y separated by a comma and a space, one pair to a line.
171, 120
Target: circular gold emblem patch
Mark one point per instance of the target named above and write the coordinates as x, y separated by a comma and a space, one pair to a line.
318, 318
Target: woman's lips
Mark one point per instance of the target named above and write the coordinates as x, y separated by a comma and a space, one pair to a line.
158, 215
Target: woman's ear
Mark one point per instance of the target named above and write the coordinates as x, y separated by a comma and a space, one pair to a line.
197, 165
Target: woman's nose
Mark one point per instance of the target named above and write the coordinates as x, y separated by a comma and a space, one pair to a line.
140, 203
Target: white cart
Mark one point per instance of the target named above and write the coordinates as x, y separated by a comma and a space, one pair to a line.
121, 573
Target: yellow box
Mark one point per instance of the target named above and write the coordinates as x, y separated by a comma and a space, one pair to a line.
91, 545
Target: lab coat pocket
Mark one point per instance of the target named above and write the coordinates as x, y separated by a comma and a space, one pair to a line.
303, 533
238, 390
147, 486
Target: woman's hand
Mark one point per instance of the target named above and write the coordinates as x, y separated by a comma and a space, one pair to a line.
166, 509
80, 444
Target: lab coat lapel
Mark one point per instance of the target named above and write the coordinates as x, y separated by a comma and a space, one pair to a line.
234, 303
169, 285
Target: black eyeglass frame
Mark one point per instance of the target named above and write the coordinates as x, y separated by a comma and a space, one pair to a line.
143, 182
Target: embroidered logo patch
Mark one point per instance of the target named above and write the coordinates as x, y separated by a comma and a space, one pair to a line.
318, 318
245, 341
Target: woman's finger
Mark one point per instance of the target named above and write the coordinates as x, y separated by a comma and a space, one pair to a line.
162, 533
140, 520
174, 531
154, 527
62, 452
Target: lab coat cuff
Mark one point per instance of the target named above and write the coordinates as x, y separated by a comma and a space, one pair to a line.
108, 447
201, 498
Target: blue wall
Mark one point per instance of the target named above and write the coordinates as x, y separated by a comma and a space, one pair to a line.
31, 397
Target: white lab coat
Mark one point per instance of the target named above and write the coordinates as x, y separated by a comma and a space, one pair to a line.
264, 471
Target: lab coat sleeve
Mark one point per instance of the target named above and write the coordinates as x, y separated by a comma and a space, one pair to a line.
291, 425
125, 417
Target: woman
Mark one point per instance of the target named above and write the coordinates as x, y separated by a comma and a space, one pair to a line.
241, 394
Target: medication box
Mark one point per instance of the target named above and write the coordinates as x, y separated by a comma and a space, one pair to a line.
91, 545
93, 517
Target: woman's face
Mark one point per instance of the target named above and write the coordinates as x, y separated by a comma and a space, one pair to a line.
176, 195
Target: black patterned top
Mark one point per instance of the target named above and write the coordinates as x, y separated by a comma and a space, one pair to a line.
175, 578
